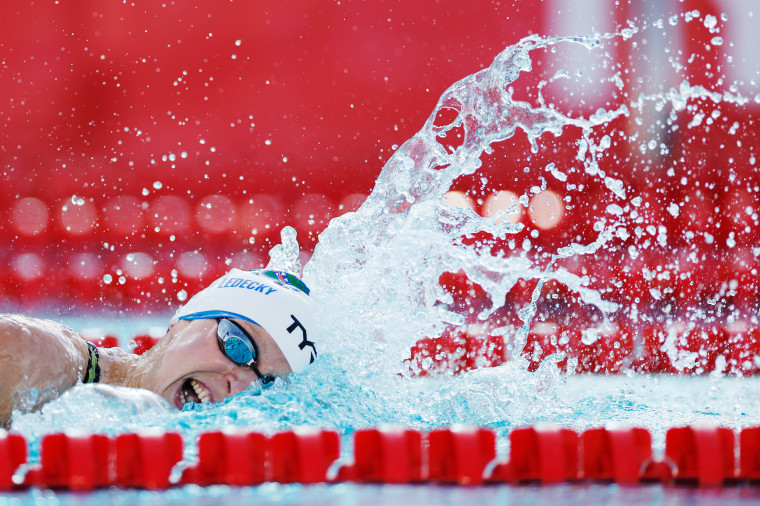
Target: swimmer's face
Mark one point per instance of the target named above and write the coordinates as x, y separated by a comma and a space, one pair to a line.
192, 368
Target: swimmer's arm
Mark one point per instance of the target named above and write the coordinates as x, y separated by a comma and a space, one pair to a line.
39, 359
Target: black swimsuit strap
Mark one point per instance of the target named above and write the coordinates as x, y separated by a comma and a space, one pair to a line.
92, 373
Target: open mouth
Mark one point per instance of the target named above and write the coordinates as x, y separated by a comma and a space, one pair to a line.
194, 391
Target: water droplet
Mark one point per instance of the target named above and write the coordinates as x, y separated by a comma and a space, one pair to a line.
615, 209
589, 336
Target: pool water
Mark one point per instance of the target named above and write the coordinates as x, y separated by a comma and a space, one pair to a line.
392, 495
579, 402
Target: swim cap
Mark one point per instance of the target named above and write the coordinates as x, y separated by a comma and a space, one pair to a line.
277, 301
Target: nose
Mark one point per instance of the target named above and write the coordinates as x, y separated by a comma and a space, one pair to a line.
239, 379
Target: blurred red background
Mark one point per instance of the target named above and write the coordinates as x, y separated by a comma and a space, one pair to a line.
158, 144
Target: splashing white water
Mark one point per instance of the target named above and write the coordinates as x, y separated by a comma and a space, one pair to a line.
376, 271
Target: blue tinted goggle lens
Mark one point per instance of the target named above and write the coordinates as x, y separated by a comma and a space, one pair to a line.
236, 349
238, 346
235, 343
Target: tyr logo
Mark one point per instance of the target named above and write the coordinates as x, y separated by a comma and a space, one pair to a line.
304, 340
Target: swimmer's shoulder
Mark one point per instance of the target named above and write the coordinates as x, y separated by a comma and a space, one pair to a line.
36, 355
12, 328
18, 331
18, 323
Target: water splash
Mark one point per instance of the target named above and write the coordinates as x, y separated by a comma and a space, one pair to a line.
284, 256
378, 269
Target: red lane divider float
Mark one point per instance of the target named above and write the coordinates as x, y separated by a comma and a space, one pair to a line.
652, 348
387, 455
73, 462
145, 460
12, 455
616, 455
749, 451
461, 455
303, 456
545, 455
237, 458
700, 454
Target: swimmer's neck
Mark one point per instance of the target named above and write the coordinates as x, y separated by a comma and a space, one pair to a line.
119, 368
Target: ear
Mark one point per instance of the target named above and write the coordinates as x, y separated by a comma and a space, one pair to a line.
175, 325
171, 332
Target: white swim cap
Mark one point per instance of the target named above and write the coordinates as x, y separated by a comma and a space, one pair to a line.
277, 301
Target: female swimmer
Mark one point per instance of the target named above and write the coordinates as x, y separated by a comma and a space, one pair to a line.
246, 326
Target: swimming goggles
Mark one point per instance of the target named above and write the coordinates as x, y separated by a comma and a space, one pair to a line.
237, 345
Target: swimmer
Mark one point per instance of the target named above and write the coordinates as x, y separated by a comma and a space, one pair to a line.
246, 326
